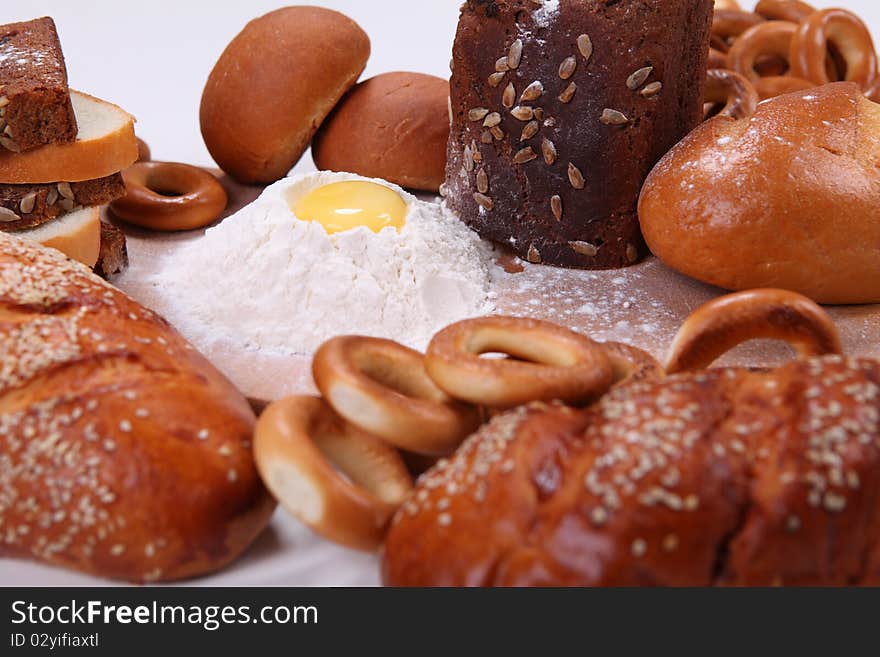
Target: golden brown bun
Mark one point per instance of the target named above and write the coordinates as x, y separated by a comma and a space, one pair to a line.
105, 145
274, 85
393, 126
723, 477
125, 453
788, 199
76, 234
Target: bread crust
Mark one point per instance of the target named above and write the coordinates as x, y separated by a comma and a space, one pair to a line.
725, 477
594, 226
273, 86
785, 199
126, 454
394, 126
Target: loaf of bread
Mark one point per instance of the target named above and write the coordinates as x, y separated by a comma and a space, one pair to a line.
394, 126
559, 111
29, 206
124, 453
786, 198
35, 107
723, 477
274, 85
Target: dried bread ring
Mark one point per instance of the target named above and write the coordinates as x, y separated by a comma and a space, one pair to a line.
548, 362
874, 93
728, 24
382, 387
727, 4
845, 32
338, 480
728, 321
144, 154
778, 85
732, 91
770, 38
169, 196
630, 364
792, 11
717, 59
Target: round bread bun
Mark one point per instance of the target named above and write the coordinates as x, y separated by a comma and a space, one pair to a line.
274, 85
393, 126
788, 198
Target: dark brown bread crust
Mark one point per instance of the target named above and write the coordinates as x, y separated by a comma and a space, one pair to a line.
113, 256
124, 452
36, 199
726, 477
33, 82
598, 227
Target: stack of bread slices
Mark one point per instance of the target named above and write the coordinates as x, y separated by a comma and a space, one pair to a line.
61, 151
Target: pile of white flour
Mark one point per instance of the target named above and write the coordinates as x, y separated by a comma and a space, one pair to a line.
266, 281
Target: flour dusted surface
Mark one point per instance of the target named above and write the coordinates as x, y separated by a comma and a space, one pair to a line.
272, 283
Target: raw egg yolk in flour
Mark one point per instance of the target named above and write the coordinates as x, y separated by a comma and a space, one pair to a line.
345, 205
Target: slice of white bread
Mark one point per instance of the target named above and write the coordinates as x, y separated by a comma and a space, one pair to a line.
105, 145
76, 234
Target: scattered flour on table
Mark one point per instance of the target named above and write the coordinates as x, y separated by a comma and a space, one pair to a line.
267, 281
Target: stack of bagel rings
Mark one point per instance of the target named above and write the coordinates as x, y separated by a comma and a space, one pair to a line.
782, 47
343, 463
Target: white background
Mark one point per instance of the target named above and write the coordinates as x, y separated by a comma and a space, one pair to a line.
153, 57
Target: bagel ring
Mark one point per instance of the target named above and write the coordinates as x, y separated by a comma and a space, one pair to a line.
630, 364
717, 59
771, 38
168, 196
792, 11
728, 24
382, 387
728, 321
144, 154
778, 85
733, 91
338, 480
844, 31
727, 4
874, 94
559, 364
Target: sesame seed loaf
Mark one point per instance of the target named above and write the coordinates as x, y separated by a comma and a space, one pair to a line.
124, 452
560, 109
724, 477
35, 107
27, 206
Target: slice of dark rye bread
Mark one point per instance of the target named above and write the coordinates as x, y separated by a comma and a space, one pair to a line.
27, 206
35, 107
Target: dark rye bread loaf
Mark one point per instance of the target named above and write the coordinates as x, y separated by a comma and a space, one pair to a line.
35, 107
560, 110
27, 206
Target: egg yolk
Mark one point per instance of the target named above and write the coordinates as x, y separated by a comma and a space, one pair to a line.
345, 205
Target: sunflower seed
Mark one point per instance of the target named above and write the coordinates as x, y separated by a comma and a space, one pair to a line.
584, 248
534, 91
495, 79
508, 98
27, 203
497, 132
2, 123
468, 159
575, 177
66, 204
568, 94
9, 145
548, 148
638, 78
449, 110
4, 101
556, 207
486, 137
632, 253
514, 54
613, 117
502, 65
492, 120
444, 190
52, 196
8, 216
477, 114
524, 155
585, 45
652, 89
530, 130
534, 256
539, 113
482, 181
478, 156
8, 131
484, 201
522, 113
65, 190
567, 67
